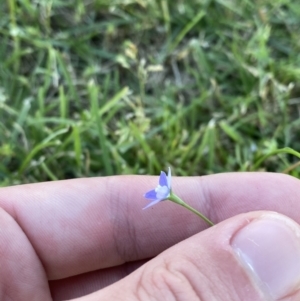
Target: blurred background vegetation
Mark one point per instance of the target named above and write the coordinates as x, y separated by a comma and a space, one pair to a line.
102, 87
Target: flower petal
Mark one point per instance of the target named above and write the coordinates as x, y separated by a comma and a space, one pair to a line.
162, 191
163, 181
152, 203
169, 178
151, 195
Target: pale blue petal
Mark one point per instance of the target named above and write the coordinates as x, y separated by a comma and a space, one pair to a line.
163, 181
169, 178
152, 203
150, 195
162, 191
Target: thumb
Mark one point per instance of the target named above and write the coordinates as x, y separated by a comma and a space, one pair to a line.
253, 256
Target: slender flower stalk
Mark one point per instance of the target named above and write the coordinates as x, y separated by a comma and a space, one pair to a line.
176, 199
164, 192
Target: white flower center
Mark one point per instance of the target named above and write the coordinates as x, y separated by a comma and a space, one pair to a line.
162, 192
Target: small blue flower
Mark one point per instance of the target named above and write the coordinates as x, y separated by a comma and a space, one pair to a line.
162, 191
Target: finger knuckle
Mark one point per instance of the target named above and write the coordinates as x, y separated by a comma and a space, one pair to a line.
171, 281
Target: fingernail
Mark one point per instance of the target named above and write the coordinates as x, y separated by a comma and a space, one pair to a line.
270, 249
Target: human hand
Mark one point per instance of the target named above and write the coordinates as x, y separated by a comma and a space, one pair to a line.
63, 240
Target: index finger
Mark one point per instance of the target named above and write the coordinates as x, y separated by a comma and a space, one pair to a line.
82, 225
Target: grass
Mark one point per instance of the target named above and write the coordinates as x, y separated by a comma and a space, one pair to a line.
94, 88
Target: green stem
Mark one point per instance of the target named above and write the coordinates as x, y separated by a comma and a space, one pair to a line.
174, 198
